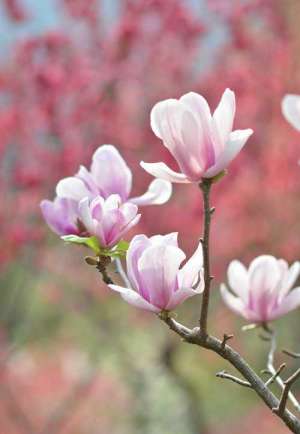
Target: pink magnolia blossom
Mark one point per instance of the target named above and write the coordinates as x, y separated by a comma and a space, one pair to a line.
109, 174
263, 292
108, 219
202, 144
157, 283
291, 110
61, 215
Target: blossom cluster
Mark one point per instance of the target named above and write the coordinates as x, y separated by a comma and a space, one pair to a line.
96, 203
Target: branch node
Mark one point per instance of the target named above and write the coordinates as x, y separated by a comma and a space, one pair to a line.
275, 375
285, 393
226, 338
226, 376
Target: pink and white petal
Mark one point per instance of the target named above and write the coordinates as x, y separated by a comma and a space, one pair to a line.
291, 110
84, 175
289, 303
72, 188
291, 276
137, 245
125, 229
162, 171
234, 303
158, 114
236, 142
224, 115
129, 211
189, 273
167, 240
158, 267
133, 298
158, 193
110, 172
238, 280
86, 215
111, 203
200, 109
180, 296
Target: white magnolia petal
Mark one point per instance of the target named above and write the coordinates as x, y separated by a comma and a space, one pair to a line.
236, 142
162, 171
158, 193
291, 109
133, 298
72, 188
238, 279
190, 272
224, 115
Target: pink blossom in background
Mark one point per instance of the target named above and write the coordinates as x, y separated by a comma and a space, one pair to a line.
107, 219
291, 110
263, 292
153, 270
202, 144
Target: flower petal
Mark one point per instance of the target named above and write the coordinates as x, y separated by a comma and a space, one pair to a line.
85, 215
61, 215
234, 303
289, 303
161, 170
110, 172
133, 298
238, 280
167, 240
158, 267
237, 140
189, 273
291, 110
224, 115
72, 188
180, 296
159, 192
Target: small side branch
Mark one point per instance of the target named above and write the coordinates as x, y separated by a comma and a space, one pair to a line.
285, 393
226, 376
274, 376
291, 354
226, 338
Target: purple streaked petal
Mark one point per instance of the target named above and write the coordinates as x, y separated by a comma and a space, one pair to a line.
180, 296
289, 303
135, 299
110, 172
61, 215
158, 267
237, 139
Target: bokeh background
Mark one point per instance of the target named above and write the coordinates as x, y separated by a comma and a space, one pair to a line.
75, 74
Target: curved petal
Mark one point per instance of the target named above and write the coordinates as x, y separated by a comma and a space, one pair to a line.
158, 267
189, 273
237, 140
84, 175
224, 115
72, 188
125, 229
86, 216
289, 303
167, 240
134, 298
159, 192
157, 114
137, 246
161, 170
110, 172
180, 296
238, 280
291, 276
291, 110
61, 215
234, 303
181, 134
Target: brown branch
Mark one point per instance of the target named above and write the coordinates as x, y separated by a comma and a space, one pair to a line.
225, 375
275, 375
280, 409
205, 186
291, 354
225, 339
235, 359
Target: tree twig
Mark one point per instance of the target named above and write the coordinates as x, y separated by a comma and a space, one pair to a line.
291, 354
225, 375
205, 186
285, 393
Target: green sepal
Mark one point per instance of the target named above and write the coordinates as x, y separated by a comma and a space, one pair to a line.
91, 242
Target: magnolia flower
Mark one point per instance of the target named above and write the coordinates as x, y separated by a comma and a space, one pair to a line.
107, 219
61, 215
153, 271
109, 174
202, 144
263, 292
291, 110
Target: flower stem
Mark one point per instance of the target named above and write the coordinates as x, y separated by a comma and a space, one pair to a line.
205, 186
